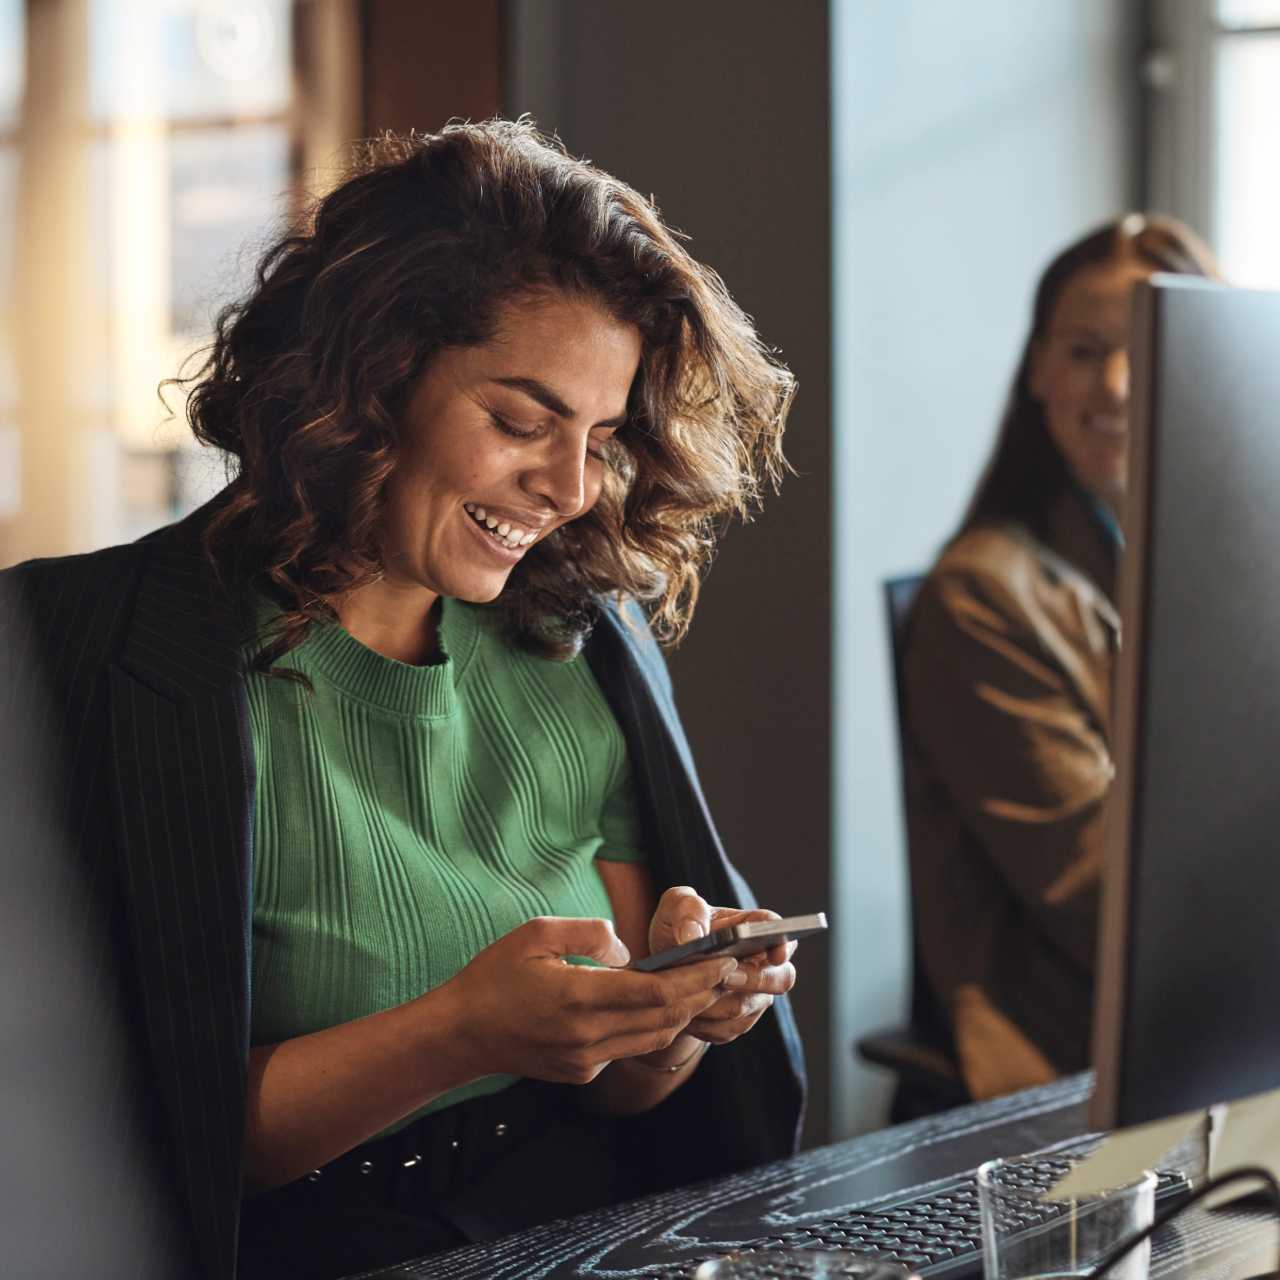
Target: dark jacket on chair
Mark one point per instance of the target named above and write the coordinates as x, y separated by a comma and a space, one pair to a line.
136, 653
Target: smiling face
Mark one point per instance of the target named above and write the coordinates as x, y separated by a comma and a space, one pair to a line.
1080, 374
501, 444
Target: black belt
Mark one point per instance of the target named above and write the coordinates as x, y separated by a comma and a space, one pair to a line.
438, 1156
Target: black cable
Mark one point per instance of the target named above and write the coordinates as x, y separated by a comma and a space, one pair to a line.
1254, 1172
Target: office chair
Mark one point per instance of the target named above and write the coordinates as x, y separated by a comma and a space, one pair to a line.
922, 1052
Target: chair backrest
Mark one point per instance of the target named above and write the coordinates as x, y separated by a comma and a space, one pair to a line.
927, 1016
899, 595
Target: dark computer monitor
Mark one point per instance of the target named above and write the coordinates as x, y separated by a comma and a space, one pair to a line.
1188, 1005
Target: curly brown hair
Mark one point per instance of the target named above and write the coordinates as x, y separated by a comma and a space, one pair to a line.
415, 251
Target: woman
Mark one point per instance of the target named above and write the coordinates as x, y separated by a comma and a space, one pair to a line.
379, 739
1007, 681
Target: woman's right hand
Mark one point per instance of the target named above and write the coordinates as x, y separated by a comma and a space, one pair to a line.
520, 1009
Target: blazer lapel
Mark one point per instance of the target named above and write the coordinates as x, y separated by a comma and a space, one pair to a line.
184, 805
684, 848
684, 843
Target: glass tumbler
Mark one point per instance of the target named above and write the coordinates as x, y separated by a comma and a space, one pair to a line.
799, 1264
1028, 1237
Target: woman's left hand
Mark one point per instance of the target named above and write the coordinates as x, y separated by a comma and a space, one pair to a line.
683, 915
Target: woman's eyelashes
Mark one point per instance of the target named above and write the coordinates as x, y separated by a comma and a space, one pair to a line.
508, 428
597, 446
1082, 353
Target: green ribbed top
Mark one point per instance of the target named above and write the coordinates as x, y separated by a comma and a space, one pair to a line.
406, 817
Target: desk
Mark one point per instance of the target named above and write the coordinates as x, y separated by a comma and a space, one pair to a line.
661, 1236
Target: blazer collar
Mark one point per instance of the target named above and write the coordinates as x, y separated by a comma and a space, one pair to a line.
187, 626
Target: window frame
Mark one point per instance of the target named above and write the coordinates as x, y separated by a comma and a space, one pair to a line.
1180, 73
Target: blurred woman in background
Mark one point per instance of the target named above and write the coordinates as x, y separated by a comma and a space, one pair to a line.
374, 758
1007, 668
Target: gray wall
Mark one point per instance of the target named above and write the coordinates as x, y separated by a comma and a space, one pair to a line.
971, 141
720, 108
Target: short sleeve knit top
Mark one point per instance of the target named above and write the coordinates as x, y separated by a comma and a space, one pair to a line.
406, 817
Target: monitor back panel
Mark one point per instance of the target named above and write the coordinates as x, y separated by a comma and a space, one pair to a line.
1189, 999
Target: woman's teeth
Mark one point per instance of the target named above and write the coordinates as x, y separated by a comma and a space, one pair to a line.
1108, 426
511, 536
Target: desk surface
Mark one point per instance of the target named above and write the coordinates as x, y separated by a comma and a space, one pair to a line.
663, 1235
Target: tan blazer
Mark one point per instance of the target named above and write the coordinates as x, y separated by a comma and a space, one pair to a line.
1007, 688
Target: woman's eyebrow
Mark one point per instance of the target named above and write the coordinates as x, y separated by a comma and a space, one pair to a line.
543, 394
1086, 332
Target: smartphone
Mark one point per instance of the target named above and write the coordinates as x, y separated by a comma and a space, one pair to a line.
737, 940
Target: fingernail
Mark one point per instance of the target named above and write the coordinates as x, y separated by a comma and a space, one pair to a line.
624, 956
688, 931
737, 978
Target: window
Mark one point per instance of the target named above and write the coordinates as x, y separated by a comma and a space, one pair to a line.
148, 149
189, 105
11, 76
1245, 181
1214, 81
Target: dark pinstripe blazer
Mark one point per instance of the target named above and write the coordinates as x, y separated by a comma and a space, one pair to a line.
137, 649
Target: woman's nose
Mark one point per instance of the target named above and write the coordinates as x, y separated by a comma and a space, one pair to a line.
1115, 377
560, 478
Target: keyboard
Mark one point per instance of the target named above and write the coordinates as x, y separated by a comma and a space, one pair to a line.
938, 1234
